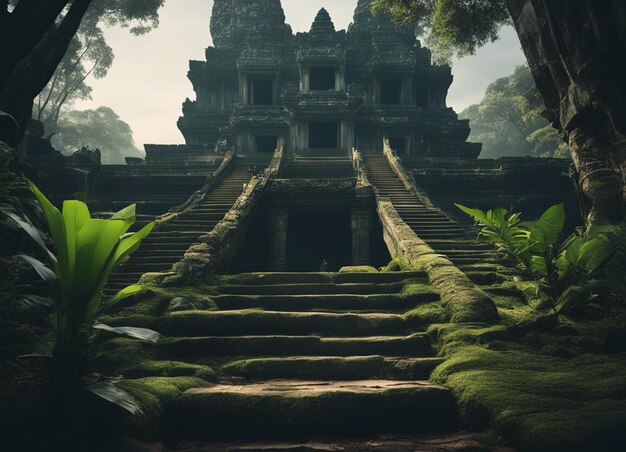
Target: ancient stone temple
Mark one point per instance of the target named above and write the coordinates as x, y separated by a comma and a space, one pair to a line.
292, 142
323, 92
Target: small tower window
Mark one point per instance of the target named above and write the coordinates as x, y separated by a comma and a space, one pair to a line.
390, 91
261, 91
322, 79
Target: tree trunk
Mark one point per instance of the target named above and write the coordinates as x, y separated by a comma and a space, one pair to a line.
576, 50
28, 76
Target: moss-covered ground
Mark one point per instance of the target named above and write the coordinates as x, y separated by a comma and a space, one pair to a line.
543, 383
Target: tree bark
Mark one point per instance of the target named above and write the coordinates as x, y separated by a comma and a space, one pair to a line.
576, 50
31, 74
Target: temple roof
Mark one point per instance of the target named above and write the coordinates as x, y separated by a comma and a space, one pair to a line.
322, 24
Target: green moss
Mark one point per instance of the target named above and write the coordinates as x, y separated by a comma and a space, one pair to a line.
547, 390
358, 269
152, 368
428, 313
396, 265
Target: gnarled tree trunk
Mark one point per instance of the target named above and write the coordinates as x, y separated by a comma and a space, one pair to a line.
576, 50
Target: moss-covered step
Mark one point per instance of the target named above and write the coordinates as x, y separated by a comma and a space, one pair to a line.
333, 368
244, 322
322, 278
312, 289
285, 408
414, 345
384, 302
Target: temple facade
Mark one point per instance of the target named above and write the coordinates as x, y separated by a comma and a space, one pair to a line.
323, 92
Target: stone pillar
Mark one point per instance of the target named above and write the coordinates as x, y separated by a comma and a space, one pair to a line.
361, 223
278, 225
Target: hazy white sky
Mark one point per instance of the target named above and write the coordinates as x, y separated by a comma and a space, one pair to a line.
148, 81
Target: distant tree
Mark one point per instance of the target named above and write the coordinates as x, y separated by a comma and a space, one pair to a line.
508, 120
35, 36
87, 55
101, 128
576, 51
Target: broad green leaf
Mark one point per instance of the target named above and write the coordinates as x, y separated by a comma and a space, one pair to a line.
578, 294
75, 216
113, 394
539, 265
33, 232
41, 269
57, 232
126, 246
595, 253
36, 299
548, 228
127, 214
129, 291
136, 333
475, 213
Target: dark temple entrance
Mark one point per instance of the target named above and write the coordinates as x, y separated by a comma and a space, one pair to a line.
266, 143
317, 236
323, 135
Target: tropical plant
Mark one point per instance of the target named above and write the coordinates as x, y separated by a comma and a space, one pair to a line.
567, 274
87, 251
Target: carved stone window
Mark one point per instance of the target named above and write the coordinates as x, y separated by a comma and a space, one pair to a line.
391, 91
322, 78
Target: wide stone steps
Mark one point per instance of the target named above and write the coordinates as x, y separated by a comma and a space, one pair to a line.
307, 354
325, 278
311, 289
255, 322
334, 368
334, 302
311, 407
412, 345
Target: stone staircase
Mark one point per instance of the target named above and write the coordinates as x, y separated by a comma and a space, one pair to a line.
166, 246
308, 354
433, 226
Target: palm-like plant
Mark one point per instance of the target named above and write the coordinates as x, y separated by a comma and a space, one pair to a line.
568, 273
87, 251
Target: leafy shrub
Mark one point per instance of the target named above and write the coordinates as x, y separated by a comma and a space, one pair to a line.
87, 251
567, 273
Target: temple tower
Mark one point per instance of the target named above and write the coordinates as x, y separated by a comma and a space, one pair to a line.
323, 91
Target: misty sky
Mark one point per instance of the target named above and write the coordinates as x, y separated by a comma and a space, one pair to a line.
148, 81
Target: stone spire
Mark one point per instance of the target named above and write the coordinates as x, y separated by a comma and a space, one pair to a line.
232, 20
322, 24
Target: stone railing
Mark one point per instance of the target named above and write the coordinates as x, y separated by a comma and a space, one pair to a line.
405, 176
218, 248
362, 182
196, 197
464, 300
